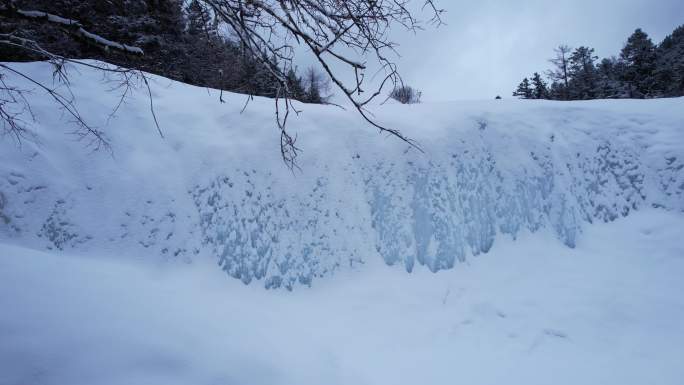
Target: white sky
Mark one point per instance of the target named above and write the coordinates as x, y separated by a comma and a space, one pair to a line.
488, 46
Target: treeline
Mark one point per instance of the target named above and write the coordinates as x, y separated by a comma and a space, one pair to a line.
181, 41
642, 70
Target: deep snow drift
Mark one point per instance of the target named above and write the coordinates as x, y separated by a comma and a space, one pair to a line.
216, 187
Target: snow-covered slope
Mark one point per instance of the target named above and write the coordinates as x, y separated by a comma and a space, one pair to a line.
215, 186
580, 206
532, 312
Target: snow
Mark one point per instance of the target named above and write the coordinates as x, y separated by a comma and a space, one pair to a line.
532, 311
215, 187
542, 241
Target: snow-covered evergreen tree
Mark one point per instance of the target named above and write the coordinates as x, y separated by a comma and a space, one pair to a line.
582, 73
639, 56
316, 86
609, 79
296, 84
524, 91
669, 71
200, 23
540, 90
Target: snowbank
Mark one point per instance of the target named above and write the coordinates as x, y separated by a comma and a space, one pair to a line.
216, 188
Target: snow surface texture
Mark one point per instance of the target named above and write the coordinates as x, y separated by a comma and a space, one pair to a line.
531, 312
215, 185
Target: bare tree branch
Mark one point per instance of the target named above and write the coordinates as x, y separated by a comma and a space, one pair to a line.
339, 33
13, 103
336, 31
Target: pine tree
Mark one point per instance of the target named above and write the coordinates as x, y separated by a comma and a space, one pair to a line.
583, 75
609, 84
560, 75
669, 71
265, 81
198, 21
524, 91
639, 56
313, 93
294, 82
317, 87
540, 90
557, 91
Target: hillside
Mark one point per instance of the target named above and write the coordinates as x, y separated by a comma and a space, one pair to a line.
543, 242
216, 188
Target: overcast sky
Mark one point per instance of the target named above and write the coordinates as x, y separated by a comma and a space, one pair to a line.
488, 46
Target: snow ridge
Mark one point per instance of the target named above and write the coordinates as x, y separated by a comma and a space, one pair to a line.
216, 188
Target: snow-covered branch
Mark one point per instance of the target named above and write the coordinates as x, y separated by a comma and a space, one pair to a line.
71, 26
